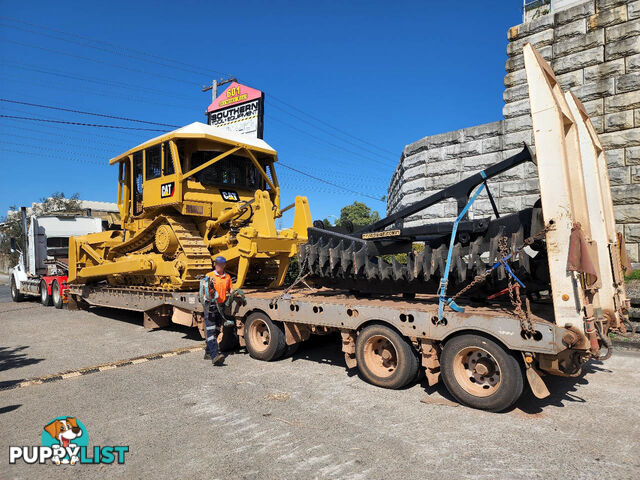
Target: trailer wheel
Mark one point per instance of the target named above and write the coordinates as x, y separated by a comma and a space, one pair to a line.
265, 339
480, 373
56, 293
16, 296
385, 358
45, 298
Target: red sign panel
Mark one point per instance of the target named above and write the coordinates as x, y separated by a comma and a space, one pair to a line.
234, 95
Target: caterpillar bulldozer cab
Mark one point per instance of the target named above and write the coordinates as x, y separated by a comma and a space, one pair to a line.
186, 197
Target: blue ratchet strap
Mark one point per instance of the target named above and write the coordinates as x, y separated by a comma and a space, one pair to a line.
503, 262
442, 299
510, 272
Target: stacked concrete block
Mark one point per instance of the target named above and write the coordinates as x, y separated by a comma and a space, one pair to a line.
594, 49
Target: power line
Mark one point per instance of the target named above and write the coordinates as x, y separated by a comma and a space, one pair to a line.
149, 129
89, 59
48, 148
48, 155
113, 45
326, 131
320, 139
87, 113
112, 83
94, 92
329, 183
111, 51
329, 125
81, 124
62, 131
194, 69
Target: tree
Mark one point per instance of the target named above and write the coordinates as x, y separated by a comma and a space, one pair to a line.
359, 214
11, 225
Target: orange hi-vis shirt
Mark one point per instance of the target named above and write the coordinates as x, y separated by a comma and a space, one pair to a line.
221, 283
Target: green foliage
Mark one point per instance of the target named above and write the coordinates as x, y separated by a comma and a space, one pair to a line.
326, 222
635, 275
292, 272
402, 257
11, 225
359, 214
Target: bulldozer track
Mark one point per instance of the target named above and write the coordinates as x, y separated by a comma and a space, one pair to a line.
198, 258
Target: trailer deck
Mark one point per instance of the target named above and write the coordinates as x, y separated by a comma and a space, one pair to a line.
414, 318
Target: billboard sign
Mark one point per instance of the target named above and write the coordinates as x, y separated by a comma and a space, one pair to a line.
238, 109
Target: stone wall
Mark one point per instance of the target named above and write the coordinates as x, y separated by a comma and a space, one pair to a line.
594, 49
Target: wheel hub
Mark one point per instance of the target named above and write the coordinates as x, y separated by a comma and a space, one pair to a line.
380, 356
484, 367
260, 335
477, 371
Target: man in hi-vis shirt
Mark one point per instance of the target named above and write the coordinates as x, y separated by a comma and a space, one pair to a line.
219, 287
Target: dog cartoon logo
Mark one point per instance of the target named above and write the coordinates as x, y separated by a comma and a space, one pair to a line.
65, 441
68, 435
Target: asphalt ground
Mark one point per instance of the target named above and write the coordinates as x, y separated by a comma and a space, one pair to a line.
302, 417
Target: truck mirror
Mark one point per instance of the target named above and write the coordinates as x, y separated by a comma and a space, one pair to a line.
12, 241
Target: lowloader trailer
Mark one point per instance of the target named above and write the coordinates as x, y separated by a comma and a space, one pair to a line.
556, 267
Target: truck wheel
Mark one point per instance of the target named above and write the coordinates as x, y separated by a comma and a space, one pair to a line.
385, 358
480, 373
56, 293
265, 339
45, 298
16, 296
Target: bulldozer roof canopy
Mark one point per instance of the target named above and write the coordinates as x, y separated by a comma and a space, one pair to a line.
201, 130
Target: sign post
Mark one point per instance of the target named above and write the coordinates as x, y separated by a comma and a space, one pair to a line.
238, 109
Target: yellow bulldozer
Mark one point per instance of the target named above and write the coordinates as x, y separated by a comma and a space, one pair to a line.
186, 197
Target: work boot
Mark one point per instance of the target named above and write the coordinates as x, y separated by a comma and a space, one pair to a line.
207, 356
218, 360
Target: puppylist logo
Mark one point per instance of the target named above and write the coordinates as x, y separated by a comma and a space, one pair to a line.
65, 441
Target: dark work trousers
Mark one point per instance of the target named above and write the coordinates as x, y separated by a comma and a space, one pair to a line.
212, 322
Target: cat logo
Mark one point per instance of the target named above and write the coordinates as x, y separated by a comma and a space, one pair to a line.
166, 190
229, 196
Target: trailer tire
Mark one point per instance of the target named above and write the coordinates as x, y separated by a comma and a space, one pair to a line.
481, 373
45, 298
385, 358
16, 296
56, 294
264, 338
